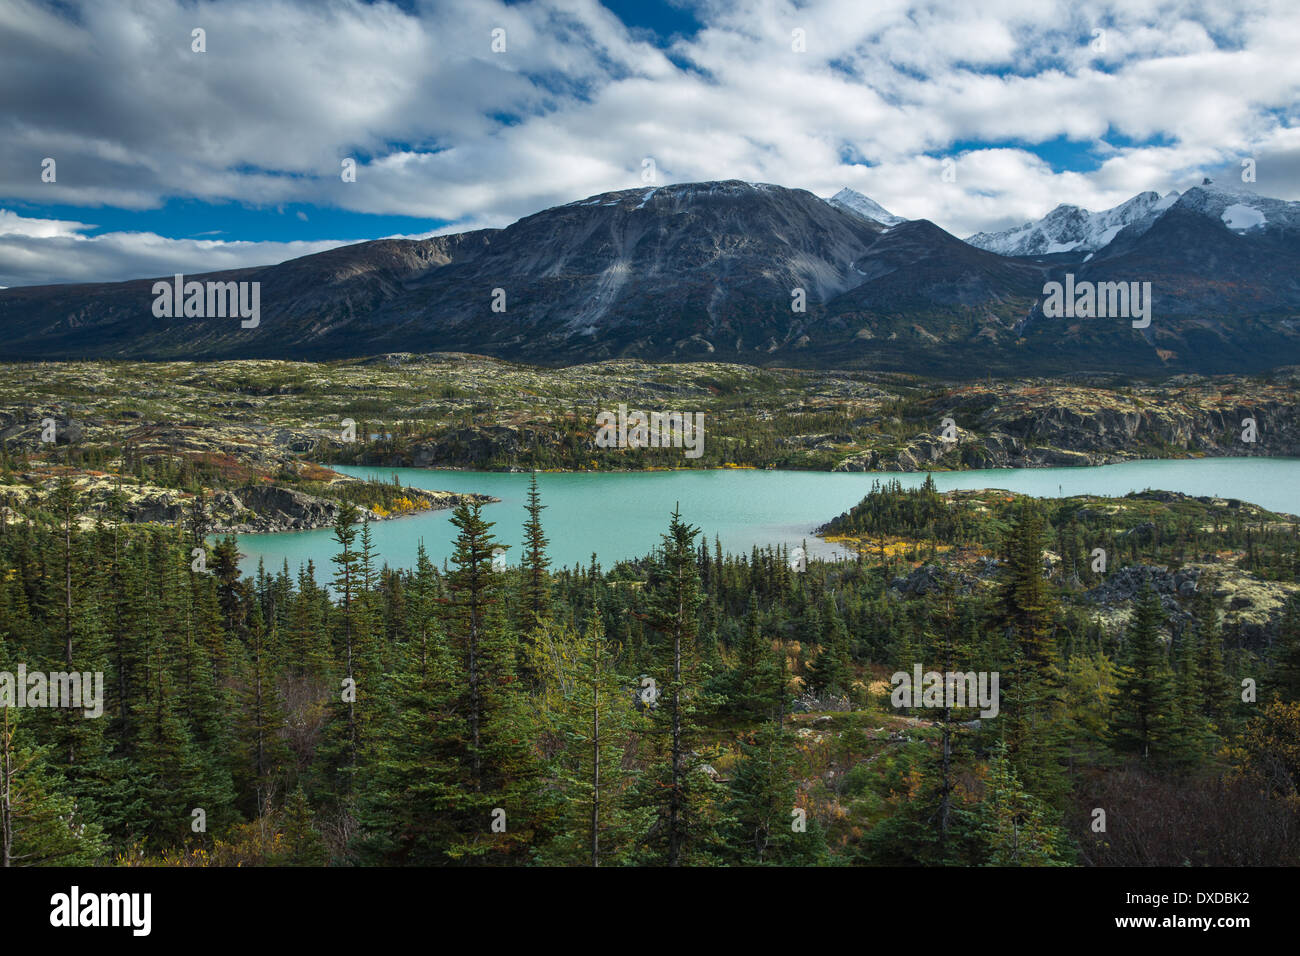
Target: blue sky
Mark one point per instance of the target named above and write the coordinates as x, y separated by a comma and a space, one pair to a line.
472, 113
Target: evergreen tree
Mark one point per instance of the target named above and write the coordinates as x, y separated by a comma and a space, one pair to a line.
1030, 677
302, 843
343, 744
1016, 825
1145, 695
417, 804
1287, 675
832, 670
1190, 737
503, 769
677, 787
263, 755
596, 723
1214, 688
472, 584
39, 825
755, 686
536, 604
765, 823
308, 654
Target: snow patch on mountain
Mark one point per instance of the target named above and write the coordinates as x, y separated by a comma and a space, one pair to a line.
1240, 209
1242, 217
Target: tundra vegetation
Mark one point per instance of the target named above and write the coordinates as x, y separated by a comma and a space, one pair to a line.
186, 427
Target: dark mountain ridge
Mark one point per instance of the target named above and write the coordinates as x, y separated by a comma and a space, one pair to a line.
721, 270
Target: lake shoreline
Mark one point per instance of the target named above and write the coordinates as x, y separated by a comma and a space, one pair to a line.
1099, 461
621, 515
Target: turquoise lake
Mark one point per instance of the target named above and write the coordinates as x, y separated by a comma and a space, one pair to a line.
622, 515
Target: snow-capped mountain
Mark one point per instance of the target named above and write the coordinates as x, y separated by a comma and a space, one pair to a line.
1219, 250
850, 200
1241, 210
1209, 209
1073, 229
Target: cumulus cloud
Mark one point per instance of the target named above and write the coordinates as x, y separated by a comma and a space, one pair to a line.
41, 251
443, 126
12, 224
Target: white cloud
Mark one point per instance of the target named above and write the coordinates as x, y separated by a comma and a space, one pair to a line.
12, 224
287, 89
40, 251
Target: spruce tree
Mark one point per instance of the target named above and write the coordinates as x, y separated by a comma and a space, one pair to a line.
1214, 690
39, 824
343, 744
503, 769
536, 604
472, 586
754, 687
1286, 678
1144, 699
417, 801
765, 824
1016, 826
1030, 677
263, 757
677, 788
832, 670
302, 844
596, 722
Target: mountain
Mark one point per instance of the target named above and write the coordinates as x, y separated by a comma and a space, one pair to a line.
1071, 228
720, 270
850, 200
678, 271
1218, 252
1224, 271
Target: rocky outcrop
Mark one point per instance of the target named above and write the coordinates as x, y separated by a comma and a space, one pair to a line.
262, 508
26, 428
1252, 607
472, 444
1061, 434
251, 509
1175, 589
1106, 433
259, 508
162, 508
932, 578
808, 702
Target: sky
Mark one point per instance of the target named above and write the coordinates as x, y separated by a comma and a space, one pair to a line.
463, 114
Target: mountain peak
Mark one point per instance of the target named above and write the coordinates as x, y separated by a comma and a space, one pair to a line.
1239, 208
864, 207
1069, 228
678, 191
